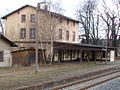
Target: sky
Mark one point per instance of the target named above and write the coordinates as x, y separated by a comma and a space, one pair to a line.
7, 6
69, 6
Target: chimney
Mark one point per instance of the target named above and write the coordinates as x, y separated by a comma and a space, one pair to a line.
39, 6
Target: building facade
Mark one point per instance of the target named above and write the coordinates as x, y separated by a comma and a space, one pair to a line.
21, 26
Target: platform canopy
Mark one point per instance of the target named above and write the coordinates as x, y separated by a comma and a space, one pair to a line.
67, 46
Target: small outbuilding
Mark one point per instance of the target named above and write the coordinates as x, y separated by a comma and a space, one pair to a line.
5, 51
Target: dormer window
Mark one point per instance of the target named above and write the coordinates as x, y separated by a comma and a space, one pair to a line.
23, 18
67, 22
73, 23
60, 20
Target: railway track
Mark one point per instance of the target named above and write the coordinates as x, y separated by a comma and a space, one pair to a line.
78, 82
90, 81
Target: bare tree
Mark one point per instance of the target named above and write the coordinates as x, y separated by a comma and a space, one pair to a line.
109, 17
48, 23
89, 20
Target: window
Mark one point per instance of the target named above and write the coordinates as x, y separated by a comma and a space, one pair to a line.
103, 55
67, 22
73, 36
73, 23
23, 18
60, 33
32, 33
60, 20
1, 56
67, 35
51, 16
22, 33
67, 54
32, 18
73, 54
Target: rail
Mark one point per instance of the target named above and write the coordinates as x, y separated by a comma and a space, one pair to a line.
69, 86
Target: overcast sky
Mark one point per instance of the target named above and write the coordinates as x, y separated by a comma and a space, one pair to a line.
7, 6
70, 6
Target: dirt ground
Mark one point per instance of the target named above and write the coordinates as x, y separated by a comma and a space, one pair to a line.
14, 77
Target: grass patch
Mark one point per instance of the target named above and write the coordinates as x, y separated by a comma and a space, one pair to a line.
22, 76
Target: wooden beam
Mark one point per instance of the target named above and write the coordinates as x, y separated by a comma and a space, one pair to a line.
101, 54
81, 57
78, 54
95, 56
63, 55
53, 57
70, 55
87, 57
